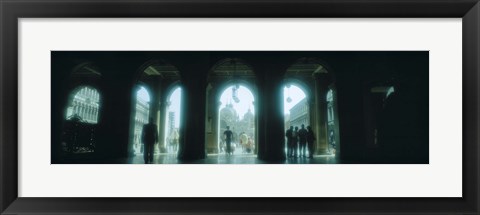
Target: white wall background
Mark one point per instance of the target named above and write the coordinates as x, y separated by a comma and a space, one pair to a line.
441, 178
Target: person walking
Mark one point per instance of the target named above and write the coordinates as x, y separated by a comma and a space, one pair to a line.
149, 138
228, 139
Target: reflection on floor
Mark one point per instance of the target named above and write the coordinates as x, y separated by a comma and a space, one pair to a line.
232, 159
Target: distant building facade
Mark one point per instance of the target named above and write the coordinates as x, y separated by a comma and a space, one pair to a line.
287, 121
230, 117
85, 104
299, 114
171, 122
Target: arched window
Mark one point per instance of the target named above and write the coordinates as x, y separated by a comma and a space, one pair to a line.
84, 105
238, 113
81, 114
231, 93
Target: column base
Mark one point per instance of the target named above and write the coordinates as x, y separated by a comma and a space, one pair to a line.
192, 155
323, 151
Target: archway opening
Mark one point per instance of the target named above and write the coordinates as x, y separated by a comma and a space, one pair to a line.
172, 121
297, 118
81, 117
237, 113
310, 74
142, 114
161, 78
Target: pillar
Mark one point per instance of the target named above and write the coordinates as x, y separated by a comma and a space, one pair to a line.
162, 146
271, 120
212, 106
155, 101
349, 101
118, 108
194, 95
60, 94
321, 89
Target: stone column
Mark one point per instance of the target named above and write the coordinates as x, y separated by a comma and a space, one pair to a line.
60, 93
90, 114
211, 119
154, 111
349, 115
161, 133
321, 89
194, 95
116, 127
271, 120
75, 107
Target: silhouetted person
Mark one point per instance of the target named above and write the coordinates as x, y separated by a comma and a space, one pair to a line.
302, 140
310, 140
295, 141
228, 139
149, 138
289, 136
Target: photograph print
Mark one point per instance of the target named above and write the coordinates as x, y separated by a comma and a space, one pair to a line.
240, 107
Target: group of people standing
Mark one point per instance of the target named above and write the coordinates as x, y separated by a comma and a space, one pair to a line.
298, 140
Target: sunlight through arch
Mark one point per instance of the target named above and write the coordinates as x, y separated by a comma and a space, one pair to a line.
172, 120
237, 111
296, 113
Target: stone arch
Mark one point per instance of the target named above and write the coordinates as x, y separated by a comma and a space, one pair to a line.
157, 67
232, 67
172, 87
243, 125
158, 76
222, 75
140, 116
300, 84
313, 75
72, 102
312, 61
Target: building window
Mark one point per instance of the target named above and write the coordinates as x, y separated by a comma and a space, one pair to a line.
84, 105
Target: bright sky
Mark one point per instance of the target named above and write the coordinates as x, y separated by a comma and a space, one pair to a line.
142, 93
244, 94
246, 100
175, 100
295, 93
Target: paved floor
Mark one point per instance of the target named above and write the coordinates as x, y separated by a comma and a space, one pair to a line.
171, 158
232, 159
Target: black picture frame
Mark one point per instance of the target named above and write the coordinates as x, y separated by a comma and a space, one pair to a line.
12, 10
